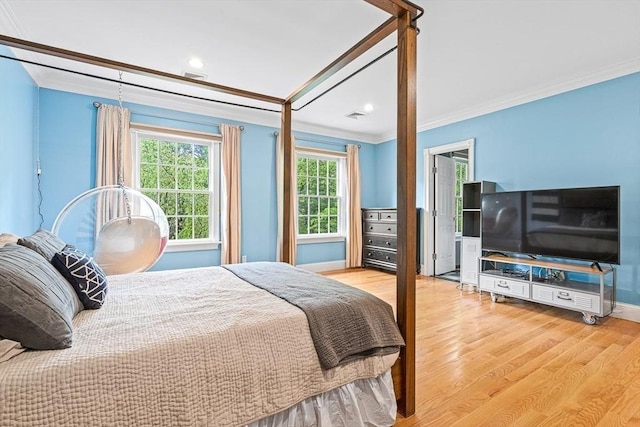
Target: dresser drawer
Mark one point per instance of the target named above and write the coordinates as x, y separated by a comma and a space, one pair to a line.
379, 255
380, 228
388, 216
567, 298
371, 215
389, 242
503, 286
380, 238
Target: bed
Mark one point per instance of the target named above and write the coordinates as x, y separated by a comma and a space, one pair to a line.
402, 21
195, 347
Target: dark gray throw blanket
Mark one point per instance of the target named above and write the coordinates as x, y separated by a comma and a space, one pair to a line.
346, 323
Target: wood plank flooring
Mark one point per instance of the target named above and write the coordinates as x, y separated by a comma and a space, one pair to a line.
515, 363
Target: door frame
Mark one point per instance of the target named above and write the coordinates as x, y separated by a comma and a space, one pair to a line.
428, 240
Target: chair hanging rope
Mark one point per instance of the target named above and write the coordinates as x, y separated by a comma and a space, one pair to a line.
120, 161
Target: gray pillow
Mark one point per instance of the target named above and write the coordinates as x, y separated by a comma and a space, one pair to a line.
43, 242
36, 303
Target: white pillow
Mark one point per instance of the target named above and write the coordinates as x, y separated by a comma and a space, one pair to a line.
8, 238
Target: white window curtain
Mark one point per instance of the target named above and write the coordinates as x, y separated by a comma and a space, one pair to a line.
354, 213
280, 196
113, 140
230, 200
112, 130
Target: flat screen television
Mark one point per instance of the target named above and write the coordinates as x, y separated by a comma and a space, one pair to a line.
578, 223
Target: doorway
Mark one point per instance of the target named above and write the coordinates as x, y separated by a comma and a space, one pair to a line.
444, 167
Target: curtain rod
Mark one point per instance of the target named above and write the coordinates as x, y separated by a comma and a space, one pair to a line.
339, 144
97, 104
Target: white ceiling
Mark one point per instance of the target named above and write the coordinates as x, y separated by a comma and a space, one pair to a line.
474, 56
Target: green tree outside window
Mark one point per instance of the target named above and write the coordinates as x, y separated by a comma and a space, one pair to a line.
176, 176
319, 201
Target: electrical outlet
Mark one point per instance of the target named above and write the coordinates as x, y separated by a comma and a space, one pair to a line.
244, 258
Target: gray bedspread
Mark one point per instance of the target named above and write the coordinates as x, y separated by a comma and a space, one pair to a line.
345, 323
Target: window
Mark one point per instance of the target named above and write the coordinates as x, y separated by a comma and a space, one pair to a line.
461, 176
320, 201
180, 172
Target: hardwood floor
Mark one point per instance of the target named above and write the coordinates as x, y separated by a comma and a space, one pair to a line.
514, 363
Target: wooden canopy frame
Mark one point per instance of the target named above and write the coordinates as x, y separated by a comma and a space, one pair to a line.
404, 14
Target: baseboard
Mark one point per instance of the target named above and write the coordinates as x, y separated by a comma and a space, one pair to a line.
627, 312
324, 266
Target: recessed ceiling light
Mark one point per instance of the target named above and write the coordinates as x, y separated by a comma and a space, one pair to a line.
368, 108
196, 63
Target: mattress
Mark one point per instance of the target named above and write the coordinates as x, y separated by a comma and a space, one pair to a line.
183, 347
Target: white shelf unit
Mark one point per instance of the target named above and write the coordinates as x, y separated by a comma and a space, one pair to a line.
471, 245
587, 289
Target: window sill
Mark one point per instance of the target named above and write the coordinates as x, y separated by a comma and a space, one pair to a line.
191, 246
323, 238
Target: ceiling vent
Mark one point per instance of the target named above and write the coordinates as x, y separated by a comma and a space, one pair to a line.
356, 115
195, 76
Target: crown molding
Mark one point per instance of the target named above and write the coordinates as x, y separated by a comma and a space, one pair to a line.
135, 95
9, 25
177, 103
316, 129
545, 91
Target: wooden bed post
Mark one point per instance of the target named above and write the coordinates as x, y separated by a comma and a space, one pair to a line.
407, 227
285, 134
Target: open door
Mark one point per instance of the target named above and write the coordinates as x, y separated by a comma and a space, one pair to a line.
445, 232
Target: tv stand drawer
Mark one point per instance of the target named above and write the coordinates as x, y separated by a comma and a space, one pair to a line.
504, 286
567, 298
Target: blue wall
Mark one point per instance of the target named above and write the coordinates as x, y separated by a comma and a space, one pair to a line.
68, 122
589, 136
585, 137
18, 136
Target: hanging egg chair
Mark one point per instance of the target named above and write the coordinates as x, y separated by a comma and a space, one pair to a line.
121, 228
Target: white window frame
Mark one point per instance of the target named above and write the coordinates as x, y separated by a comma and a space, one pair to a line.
213, 141
341, 190
466, 162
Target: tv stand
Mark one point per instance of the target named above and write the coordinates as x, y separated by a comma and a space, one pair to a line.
589, 289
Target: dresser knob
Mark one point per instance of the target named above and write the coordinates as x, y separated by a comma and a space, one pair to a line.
370, 227
386, 257
389, 229
369, 241
369, 254
387, 243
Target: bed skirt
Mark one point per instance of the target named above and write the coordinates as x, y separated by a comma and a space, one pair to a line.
364, 402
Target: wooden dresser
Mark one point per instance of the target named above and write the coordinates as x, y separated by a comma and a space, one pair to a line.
380, 238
